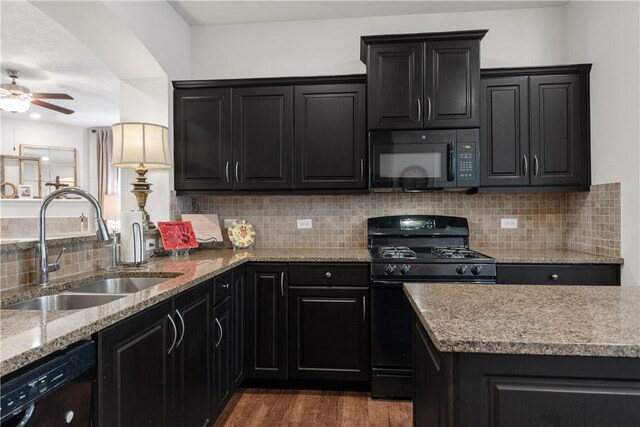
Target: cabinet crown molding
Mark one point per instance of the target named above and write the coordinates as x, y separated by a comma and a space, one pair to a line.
536, 71
269, 81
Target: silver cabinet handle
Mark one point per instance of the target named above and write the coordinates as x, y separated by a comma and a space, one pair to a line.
419, 112
219, 326
237, 165
225, 286
554, 277
226, 171
429, 110
535, 165
282, 283
183, 328
364, 308
175, 333
328, 274
361, 169
525, 167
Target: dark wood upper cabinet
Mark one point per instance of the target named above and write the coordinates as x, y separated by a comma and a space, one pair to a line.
452, 81
263, 137
134, 370
266, 322
330, 136
535, 128
395, 86
559, 130
202, 140
423, 81
504, 135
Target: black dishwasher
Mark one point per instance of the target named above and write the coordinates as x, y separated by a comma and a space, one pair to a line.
56, 391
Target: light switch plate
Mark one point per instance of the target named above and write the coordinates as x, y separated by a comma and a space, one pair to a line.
229, 222
304, 224
508, 223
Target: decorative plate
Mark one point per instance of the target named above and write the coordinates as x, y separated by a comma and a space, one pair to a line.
242, 234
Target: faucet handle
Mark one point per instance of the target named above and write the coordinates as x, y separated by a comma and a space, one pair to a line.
55, 266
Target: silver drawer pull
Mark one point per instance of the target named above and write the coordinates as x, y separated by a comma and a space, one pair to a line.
328, 274
554, 277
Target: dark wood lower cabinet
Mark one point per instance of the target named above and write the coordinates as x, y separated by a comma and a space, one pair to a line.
237, 319
134, 371
329, 333
222, 376
522, 390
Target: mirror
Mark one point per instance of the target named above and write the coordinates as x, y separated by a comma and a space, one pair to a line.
57, 168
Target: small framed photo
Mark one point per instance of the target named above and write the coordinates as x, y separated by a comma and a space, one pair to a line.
25, 191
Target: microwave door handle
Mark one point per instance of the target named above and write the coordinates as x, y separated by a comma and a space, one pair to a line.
451, 167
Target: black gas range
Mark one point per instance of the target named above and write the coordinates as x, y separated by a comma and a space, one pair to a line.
412, 248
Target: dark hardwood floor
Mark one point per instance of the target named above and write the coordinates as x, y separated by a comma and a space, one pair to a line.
266, 407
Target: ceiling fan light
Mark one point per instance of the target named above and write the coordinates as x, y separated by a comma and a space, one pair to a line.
14, 103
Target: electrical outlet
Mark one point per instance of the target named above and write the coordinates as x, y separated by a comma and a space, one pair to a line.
508, 223
229, 222
304, 223
149, 244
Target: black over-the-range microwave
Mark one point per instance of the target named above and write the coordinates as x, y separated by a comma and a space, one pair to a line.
418, 160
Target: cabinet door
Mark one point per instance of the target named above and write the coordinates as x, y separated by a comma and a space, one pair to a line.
222, 358
263, 137
504, 143
266, 321
329, 333
194, 358
452, 84
237, 318
559, 130
395, 86
330, 142
203, 152
134, 371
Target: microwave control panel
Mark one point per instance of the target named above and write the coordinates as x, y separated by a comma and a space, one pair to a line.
468, 158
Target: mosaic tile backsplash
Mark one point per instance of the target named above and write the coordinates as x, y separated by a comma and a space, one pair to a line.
545, 220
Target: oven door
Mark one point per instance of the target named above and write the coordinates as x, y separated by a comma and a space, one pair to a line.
390, 326
413, 160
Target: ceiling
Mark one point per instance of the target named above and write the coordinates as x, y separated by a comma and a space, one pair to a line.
233, 12
52, 60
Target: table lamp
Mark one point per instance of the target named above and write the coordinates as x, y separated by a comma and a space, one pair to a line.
141, 146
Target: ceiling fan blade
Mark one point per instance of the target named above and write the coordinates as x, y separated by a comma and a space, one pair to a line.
51, 96
51, 107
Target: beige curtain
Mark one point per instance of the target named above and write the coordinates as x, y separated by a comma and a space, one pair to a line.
108, 177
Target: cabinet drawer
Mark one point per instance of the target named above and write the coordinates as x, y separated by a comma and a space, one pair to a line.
559, 274
222, 287
329, 274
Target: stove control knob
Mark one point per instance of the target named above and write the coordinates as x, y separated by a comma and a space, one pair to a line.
461, 269
476, 269
390, 269
404, 269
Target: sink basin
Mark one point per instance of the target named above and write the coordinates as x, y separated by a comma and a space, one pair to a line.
63, 302
120, 285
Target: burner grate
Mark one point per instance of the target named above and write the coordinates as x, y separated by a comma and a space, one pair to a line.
454, 252
396, 252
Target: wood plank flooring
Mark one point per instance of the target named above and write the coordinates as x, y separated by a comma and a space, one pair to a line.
267, 407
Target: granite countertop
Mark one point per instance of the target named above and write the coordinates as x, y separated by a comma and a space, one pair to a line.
530, 319
547, 256
26, 336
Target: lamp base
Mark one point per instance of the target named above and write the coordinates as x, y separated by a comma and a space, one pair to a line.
142, 189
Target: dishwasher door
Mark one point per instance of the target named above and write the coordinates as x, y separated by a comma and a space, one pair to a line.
57, 392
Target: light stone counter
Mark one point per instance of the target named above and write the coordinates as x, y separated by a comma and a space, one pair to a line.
26, 336
530, 319
547, 256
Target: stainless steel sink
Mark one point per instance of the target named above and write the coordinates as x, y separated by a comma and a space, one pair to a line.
63, 302
120, 285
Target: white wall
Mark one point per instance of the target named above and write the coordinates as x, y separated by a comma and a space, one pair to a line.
516, 37
33, 132
607, 34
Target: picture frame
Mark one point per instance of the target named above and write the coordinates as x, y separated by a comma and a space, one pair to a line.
25, 191
177, 235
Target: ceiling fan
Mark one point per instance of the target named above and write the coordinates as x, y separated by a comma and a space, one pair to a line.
17, 99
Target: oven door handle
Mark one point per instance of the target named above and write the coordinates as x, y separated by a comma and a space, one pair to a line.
451, 160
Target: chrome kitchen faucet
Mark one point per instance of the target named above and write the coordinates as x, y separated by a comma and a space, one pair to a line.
102, 231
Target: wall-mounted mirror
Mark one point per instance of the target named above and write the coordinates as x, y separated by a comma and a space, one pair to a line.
57, 164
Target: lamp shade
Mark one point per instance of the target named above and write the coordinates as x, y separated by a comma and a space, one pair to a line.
140, 143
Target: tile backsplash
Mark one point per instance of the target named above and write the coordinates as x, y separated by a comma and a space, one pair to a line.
545, 220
